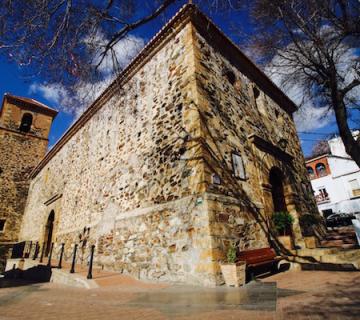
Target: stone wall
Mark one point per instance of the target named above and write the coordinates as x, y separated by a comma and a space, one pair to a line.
233, 120
121, 176
136, 179
19, 154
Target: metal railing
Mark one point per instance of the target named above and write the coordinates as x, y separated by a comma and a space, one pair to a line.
32, 250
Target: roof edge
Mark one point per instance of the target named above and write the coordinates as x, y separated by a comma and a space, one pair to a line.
139, 60
31, 102
187, 11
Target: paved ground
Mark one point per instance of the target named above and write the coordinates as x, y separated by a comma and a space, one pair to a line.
290, 295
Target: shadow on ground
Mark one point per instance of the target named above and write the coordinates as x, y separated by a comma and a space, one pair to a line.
17, 277
339, 301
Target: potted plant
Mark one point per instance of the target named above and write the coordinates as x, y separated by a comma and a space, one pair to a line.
282, 222
233, 272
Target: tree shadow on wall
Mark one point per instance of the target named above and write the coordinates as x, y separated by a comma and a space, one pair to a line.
213, 157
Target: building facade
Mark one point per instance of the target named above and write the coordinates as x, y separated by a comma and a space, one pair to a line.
335, 179
190, 150
24, 129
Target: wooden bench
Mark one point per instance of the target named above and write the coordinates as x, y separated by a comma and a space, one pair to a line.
259, 257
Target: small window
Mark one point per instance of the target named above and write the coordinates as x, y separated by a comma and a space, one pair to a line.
2, 225
256, 93
320, 170
238, 166
355, 187
216, 179
310, 172
26, 122
229, 75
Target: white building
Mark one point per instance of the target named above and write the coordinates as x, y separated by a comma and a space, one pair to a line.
335, 179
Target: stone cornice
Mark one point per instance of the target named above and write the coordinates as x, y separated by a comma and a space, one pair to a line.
268, 147
213, 34
23, 134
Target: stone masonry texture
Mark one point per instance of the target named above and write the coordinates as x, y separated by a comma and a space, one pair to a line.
20, 153
148, 178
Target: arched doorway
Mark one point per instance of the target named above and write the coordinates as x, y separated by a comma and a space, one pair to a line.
277, 190
49, 231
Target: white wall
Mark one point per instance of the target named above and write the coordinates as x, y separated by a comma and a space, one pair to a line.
337, 147
338, 187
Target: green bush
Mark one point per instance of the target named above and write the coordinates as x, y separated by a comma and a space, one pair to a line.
231, 254
282, 222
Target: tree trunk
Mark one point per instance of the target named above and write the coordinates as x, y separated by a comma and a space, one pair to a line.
352, 146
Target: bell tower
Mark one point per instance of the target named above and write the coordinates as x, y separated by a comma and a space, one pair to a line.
24, 129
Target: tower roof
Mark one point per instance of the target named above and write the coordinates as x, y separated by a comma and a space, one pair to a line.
32, 103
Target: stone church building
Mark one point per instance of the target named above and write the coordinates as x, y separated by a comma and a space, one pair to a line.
191, 149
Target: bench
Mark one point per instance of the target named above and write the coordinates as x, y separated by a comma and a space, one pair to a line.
257, 258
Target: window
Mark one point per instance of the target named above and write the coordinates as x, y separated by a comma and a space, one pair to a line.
2, 225
311, 172
320, 170
238, 166
26, 122
355, 187
215, 179
256, 93
229, 75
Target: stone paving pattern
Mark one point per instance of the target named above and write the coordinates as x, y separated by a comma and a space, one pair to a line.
296, 295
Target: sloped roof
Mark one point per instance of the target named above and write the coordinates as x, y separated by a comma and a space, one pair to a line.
189, 12
31, 102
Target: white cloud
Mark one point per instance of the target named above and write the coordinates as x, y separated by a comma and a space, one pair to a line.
310, 118
53, 93
124, 51
76, 100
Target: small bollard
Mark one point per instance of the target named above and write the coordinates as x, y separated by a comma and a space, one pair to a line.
36, 252
61, 255
89, 275
27, 255
42, 252
50, 254
72, 270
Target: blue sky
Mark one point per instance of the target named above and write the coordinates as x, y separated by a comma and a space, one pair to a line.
13, 81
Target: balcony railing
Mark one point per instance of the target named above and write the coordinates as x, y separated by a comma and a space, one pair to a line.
321, 198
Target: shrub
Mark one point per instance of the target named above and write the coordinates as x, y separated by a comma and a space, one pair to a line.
282, 222
231, 254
